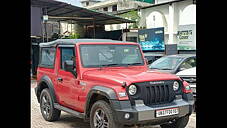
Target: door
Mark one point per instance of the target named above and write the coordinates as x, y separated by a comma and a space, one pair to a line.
67, 82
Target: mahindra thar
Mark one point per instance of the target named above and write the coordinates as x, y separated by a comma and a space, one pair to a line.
108, 83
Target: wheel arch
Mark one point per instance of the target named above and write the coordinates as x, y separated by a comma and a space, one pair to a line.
46, 82
98, 93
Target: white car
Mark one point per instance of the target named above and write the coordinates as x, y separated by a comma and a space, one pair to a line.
189, 75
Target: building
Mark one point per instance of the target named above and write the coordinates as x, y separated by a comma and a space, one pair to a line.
88, 2
178, 17
118, 7
113, 6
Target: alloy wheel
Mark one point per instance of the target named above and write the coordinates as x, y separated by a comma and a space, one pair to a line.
100, 119
45, 106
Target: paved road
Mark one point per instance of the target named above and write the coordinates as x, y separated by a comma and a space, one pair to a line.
68, 121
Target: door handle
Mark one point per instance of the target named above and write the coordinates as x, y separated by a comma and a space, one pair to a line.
60, 79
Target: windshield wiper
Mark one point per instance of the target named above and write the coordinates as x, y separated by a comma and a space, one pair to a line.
165, 69
133, 64
154, 68
108, 65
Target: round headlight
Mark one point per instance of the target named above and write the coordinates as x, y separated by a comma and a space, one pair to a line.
132, 89
175, 85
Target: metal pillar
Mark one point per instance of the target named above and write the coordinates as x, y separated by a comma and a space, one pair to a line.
94, 28
59, 27
126, 32
45, 25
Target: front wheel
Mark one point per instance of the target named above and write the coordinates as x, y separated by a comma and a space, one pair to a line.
48, 111
101, 116
178, 123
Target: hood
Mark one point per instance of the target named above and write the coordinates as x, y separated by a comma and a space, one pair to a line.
187, 72
128, 75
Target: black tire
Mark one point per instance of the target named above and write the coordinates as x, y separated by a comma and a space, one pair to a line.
48, 111
179, 123
107, 117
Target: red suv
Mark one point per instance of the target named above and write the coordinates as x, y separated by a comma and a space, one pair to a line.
109, 84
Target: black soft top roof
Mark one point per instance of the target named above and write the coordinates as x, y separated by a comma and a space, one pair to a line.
74, 41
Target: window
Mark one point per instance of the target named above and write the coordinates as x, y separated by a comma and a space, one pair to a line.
113, 55
47, 57
87, 3
114, 8
105, 9
190, 63
66, 54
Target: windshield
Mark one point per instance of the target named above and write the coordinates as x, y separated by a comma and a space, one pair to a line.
110, 55
166, 63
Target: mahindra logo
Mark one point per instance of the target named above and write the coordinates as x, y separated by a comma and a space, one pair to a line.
157, 82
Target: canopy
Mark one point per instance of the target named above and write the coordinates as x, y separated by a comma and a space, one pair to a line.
60, 11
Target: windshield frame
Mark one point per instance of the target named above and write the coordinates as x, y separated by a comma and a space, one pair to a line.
120, 65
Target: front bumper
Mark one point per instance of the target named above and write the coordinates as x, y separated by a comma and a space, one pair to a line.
142, 114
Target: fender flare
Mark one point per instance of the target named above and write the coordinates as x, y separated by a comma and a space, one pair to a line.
45, 79
101, 90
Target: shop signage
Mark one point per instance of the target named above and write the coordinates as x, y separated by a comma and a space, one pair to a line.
152, 39
186, 37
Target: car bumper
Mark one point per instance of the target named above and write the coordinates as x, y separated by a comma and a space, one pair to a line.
142, 114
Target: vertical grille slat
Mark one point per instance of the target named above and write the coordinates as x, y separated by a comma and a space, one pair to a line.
152, 96
149, 95
166, 92
160, 93
163, 92
156, 94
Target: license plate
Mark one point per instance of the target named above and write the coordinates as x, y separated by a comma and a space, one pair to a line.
167, 112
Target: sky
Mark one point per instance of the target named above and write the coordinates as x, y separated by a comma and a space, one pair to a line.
73, 2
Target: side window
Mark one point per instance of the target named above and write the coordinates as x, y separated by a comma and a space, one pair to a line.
66, 54
190, 63
47, 57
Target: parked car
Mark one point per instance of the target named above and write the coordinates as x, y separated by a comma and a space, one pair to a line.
189, 75
152, 57
109, 84
174, 63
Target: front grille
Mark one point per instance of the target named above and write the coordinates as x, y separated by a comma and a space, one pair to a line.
154, 94
158, 94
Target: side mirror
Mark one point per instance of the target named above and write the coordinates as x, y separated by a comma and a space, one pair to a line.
69, 66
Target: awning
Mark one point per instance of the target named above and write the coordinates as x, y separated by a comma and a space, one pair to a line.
60, 11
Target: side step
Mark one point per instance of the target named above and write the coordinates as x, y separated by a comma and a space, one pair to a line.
68, 110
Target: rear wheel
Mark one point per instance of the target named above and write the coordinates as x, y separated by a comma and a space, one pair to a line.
101, 116
178, 123
48, 111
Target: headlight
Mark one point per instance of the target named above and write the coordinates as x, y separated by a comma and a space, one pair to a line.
175, 85
132, 89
